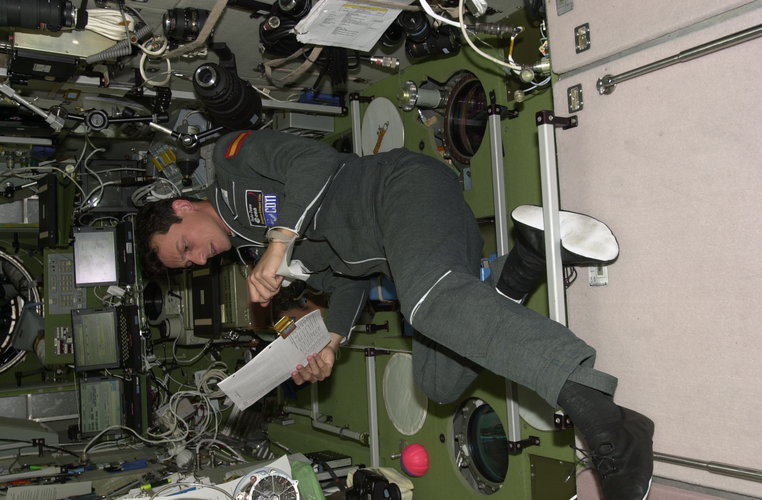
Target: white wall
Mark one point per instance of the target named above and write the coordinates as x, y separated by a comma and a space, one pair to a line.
673, 162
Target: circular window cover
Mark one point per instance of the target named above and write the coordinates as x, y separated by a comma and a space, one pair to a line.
382, 128
535, 411
405, 403
466, 117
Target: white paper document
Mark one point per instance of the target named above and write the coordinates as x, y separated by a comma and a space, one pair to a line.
50, 491
352, 25
274, 364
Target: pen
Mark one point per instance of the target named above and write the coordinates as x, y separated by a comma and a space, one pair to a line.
182, 491
155, 484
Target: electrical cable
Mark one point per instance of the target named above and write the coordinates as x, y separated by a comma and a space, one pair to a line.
156, 491
111, 221
192, 360
309, 61
120, 5
149, 192
537, 85
148, 81
110, 23
100, 188
57, 448
65, 174
90, 443
266, 94
159, 41
464, 32
212, 373
163, 46
427, 8
136, 13
236, 455
84, 203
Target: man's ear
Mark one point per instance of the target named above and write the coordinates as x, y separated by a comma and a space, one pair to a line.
180, 206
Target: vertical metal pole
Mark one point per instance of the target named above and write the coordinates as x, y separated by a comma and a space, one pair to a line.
498, 184
501, 229
354, 112
314, 405
370, 370
550, 208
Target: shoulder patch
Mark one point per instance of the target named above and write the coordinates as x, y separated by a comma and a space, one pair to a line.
261, 208
235, 146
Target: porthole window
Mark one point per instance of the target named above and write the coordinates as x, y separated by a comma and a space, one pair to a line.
466, 118
457, 112
480, 446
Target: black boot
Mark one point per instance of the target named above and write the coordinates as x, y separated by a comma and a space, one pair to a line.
585, 241
619, 441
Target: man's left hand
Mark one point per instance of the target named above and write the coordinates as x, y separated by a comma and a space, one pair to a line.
319, 365
263, 281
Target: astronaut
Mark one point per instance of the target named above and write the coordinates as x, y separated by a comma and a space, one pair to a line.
333, 219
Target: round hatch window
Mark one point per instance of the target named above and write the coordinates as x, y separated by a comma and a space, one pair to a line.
480, 446
466, 118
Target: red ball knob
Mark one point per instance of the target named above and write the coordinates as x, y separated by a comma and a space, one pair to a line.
415, 460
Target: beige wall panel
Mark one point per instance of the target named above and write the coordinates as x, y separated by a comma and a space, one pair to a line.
672, 161
619, 25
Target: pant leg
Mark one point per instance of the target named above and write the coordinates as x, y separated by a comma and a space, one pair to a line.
442, 374
433, 247
472, 319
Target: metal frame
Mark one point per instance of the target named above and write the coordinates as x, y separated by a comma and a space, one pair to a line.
503, 247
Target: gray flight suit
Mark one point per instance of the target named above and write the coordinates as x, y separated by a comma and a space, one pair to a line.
401, 214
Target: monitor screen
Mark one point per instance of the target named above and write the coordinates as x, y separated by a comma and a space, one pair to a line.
94, 333
101, 404
95, 258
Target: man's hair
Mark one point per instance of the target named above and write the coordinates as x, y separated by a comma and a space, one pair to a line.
154, 218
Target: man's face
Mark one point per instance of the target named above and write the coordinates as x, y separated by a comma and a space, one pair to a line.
198, 237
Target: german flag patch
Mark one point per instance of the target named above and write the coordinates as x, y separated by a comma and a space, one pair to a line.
235, 146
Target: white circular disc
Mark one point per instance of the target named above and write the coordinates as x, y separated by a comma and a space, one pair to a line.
381, 115
535, 411
405, 403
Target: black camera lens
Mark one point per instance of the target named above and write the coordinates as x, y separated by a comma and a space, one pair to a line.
184, 25
445, 40
415, 24
393, 35
231, 102
51, 15
295, 8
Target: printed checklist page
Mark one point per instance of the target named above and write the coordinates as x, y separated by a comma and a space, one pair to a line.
274, 364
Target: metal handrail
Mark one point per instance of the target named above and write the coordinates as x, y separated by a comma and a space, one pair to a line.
608, 83
715, 467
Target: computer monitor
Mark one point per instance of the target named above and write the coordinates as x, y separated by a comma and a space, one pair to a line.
96, 340
95, 256
101, 404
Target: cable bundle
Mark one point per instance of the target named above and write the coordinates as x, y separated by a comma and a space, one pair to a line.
110, 23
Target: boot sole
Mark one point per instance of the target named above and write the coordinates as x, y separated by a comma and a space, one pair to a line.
580, 234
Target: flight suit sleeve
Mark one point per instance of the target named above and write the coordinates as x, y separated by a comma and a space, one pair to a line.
304, 167
348, 297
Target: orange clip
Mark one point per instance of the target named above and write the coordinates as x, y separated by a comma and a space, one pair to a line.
381, 133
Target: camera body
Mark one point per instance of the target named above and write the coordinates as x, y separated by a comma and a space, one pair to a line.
370, 485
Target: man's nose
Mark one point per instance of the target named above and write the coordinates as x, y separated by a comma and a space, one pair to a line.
199, 258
